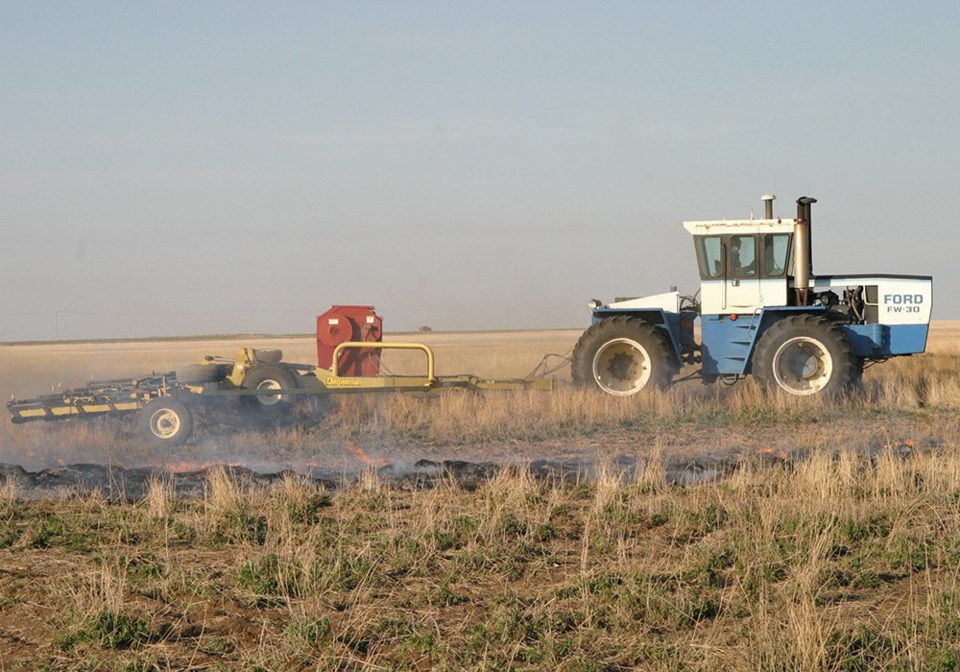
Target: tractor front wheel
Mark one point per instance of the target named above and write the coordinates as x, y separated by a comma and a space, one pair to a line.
804, 355
622, 356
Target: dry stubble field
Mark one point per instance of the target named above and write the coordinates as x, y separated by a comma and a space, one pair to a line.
832, 542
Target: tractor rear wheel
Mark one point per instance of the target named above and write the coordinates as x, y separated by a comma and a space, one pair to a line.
269, 377
165, 422
622, 356
804, 355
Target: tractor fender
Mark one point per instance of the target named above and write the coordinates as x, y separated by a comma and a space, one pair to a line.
668, 324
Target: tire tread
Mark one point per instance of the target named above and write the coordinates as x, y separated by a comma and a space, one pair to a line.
813, 326
581, 365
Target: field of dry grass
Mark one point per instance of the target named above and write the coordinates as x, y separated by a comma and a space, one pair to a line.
689, 421
831, 542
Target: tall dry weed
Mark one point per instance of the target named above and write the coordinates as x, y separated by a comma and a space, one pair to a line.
370, 481
651, 474
222, 493
10, 491
159, 498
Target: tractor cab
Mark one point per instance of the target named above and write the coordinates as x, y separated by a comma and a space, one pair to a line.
744, 265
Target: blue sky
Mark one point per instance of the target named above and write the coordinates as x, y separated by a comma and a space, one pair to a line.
211, 167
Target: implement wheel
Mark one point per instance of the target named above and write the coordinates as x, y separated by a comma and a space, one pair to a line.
622, 356
268, 355
203, 373
269, 377
165, 422
805, 355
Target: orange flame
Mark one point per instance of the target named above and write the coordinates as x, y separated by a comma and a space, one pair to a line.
361, 455
772, 452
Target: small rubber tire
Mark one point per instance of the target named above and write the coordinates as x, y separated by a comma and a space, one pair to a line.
268, 376
203, 373
622, 356
804, 355
268, 355
165, 422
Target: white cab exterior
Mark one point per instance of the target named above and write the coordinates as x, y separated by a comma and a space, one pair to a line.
741, 295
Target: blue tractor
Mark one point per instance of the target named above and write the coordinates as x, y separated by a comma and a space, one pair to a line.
761, 311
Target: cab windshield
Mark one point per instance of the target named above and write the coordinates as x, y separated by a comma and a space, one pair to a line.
744, 256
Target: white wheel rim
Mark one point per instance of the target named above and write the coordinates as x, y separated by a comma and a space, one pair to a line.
269, 399
165, 423
802, 366
621, 367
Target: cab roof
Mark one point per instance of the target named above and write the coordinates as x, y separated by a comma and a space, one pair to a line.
741, 226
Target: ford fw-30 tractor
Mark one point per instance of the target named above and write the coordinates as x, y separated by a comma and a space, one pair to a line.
761, 311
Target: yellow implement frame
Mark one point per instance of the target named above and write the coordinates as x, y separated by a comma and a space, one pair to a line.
332, 380
76, 407
125, 396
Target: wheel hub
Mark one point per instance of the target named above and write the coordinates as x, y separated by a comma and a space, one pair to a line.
621, 367
269, 399
802, 366
164, 423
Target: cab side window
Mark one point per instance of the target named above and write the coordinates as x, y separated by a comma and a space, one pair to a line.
743, 256
710, 256
776, 250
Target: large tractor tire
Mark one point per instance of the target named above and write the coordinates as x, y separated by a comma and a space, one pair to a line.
203, 373
165, 422
269, 377
805, 355
268, 355
622, 356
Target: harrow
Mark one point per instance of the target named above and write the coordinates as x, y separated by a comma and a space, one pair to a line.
349, 343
